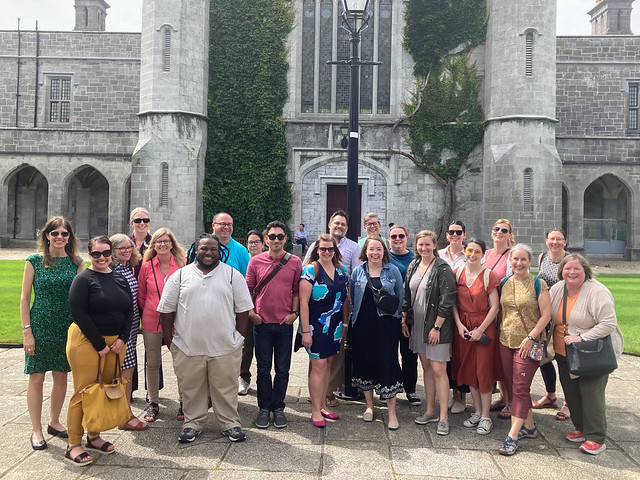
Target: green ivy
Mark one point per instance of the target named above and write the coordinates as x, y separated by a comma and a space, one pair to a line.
245, 170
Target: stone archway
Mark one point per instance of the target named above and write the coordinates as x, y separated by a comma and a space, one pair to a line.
87, 205
606, 211
27, 201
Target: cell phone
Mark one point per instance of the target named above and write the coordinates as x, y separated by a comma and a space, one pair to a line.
484, 339
467, 335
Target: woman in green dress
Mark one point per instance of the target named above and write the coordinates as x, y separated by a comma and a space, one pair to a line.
49, 274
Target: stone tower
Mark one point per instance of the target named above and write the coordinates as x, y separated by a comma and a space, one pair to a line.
522, 170
611, 17
90, 15
167, 170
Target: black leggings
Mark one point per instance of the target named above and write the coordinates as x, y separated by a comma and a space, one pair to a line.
548, 372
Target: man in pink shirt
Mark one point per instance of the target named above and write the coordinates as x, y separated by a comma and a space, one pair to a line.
276, 301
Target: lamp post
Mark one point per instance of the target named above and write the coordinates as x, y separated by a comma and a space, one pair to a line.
355, 19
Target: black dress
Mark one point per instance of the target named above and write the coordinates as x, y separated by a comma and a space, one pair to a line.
374, 341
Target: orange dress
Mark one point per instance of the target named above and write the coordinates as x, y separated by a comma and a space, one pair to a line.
473, 363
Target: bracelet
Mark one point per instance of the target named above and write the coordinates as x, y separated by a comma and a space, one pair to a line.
26, 327
306, 332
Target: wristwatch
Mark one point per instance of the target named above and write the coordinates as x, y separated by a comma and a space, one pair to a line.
436, 328
295, 312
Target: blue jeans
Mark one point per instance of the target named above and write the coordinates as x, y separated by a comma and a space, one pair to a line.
272, 341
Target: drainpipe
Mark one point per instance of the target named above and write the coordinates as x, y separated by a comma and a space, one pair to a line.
35, 104
18, 77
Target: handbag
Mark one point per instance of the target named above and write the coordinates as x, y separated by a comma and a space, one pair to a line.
105, 406
538, 352
589, 358
387, 303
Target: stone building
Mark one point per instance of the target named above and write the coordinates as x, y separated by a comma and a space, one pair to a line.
95, 122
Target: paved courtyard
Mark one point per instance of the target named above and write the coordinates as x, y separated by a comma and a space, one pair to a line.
347, 448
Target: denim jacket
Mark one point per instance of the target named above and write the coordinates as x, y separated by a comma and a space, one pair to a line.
391, 282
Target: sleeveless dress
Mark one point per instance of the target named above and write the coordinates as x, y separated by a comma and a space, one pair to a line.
50, 315
325, 309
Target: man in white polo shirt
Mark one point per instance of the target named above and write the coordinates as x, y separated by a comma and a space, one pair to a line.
208, 303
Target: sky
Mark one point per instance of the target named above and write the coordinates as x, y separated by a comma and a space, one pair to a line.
125, 15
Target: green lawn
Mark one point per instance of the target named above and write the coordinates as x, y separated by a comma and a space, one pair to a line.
623, 287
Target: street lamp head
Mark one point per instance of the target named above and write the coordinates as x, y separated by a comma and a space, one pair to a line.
355, 8
344, 130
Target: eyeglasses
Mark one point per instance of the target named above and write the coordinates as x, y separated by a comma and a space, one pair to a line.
399, 235
163, 242
503, 230
254, 242
55, 234
104, 253
455, 232
223, 224
473, 251
326, 249
371, 224
141, 220
124, 249
279, 236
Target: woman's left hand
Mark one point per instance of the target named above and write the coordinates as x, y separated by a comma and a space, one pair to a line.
569, 339
116, 346
525, 347
434, 337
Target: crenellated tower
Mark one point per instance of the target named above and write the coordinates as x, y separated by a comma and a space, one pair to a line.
522, 169
167, 170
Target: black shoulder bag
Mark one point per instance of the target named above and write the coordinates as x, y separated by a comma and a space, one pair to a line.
387, 303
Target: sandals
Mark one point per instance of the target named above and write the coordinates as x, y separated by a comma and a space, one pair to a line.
505, 414
546, 402
104, 448
80, 459
138, 426
564, 413
497, 405
331, 401
152, 412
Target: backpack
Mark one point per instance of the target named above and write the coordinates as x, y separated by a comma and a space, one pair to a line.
485, 277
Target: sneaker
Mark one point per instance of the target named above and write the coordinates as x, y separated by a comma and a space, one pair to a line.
473, 420
443, 428
485, 425
592, 447
235, 434
508, 447
188, 435
262, 420
279, 420
425, 418
414, 399
575, 436
243, 387
528, 432
458, 407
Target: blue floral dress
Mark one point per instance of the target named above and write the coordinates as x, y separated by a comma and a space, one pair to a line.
325, 309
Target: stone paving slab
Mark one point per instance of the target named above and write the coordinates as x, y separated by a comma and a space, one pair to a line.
348, 448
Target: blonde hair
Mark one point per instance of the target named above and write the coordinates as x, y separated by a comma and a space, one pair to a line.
369, 216
137, 210
428, 234
176, 249
119, 238
511, 239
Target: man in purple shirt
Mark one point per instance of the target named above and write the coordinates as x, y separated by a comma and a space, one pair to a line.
276, 303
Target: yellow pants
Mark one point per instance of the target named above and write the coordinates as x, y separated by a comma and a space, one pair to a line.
83, 359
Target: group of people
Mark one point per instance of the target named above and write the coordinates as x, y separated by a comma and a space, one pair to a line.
473, 317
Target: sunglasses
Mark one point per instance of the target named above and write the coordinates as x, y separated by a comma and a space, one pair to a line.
503, 230
279, 236
326, 249
455, 232
399, 235
96, 254
473, 251
55, 234
141, 220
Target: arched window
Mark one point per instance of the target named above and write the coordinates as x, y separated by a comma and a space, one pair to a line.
527, 193
528, 67
86, 17
164, 192
166, 50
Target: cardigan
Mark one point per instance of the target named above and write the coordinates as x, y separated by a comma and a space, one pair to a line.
593, 316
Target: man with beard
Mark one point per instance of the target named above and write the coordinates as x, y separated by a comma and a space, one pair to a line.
207, 303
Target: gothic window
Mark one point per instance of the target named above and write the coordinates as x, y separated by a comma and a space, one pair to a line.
325, 88
164, 191
528, 68
633, 106
86, 16
59, 99
166, 50
527, 195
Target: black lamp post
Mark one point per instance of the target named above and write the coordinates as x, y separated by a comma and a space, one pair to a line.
355, 19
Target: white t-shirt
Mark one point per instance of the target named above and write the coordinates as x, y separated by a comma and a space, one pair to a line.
205, 306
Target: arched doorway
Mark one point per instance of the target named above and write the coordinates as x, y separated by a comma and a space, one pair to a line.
27, 202
606, 204
88, 202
